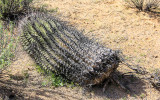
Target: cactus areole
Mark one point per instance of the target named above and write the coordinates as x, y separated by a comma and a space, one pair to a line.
65, 51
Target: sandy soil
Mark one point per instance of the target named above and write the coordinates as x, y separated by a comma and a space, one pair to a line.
113, 24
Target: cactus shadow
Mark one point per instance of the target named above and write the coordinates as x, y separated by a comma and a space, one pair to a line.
113, 91
11, 91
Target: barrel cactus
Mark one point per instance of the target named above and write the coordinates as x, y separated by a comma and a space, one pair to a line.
65, 51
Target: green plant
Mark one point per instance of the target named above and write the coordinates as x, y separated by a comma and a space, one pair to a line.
44, 83
7, 46
52, 78
40, 70
9, 9
56, 80
142, 96
124, 98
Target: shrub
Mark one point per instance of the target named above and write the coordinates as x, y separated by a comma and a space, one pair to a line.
144, 5
10, 9
7, 46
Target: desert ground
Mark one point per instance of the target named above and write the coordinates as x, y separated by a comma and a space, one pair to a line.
110, 22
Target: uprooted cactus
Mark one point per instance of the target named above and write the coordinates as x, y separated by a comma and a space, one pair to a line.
65, 51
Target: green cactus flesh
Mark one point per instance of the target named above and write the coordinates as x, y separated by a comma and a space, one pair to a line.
65, 51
